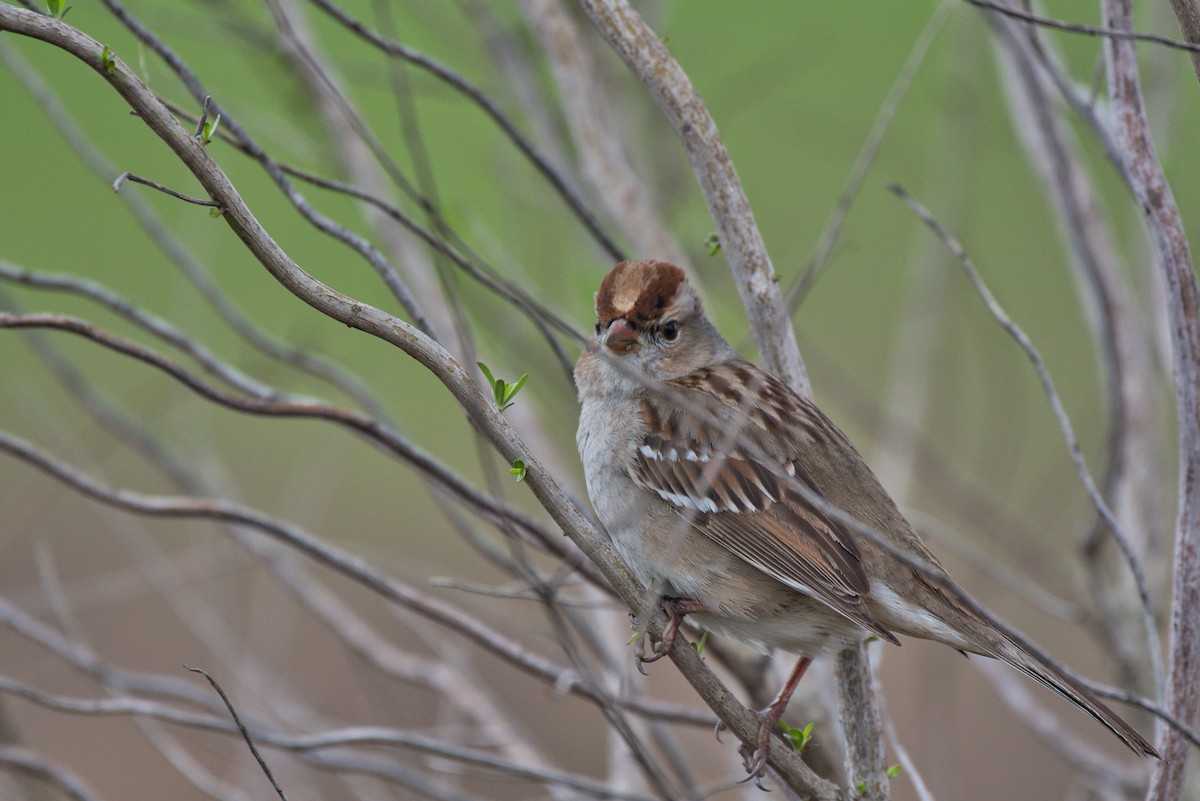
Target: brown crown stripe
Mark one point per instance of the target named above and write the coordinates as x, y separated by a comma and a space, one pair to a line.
638, 291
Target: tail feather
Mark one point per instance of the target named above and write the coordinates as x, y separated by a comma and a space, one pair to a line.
1048, 676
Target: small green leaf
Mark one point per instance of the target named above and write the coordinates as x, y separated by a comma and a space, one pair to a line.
713, 243
210, 129
861, 787
698, 647
518, 470
502, 391
108, 59
57, 8
799, 738
633, 638
487, 373
215, 212
513, 389
894, 771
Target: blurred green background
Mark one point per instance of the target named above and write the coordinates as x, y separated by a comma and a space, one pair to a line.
794, 88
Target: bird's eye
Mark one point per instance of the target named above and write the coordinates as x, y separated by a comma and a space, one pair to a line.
597, 328
670, 330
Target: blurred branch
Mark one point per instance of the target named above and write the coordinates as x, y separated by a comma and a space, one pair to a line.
488, 106
33, 764
1089, 761
348, 565
1158, 207
360, 737
598, 144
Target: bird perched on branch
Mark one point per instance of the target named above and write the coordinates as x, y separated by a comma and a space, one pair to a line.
749, 509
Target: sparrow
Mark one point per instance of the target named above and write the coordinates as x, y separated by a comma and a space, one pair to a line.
715, 480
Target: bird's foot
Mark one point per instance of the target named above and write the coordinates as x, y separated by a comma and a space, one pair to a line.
755, 759
676, 609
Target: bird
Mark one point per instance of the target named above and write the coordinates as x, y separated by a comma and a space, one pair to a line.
721, 486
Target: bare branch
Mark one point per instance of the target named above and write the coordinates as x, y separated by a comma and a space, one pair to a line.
137, 179
83, 146
1133, 478
1183, 306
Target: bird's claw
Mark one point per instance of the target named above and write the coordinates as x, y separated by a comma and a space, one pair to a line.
754, 759
755, 762
676, 609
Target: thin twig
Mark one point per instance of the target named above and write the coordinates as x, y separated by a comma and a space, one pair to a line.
137, 179
1087, 30
242, 730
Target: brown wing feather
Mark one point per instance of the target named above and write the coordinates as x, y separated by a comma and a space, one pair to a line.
752, 509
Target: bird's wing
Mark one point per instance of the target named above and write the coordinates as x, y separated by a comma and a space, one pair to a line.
717, 465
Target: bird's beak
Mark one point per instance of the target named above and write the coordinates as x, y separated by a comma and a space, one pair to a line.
621, 338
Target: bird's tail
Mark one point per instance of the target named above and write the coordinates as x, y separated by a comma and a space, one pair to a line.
1047, 675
